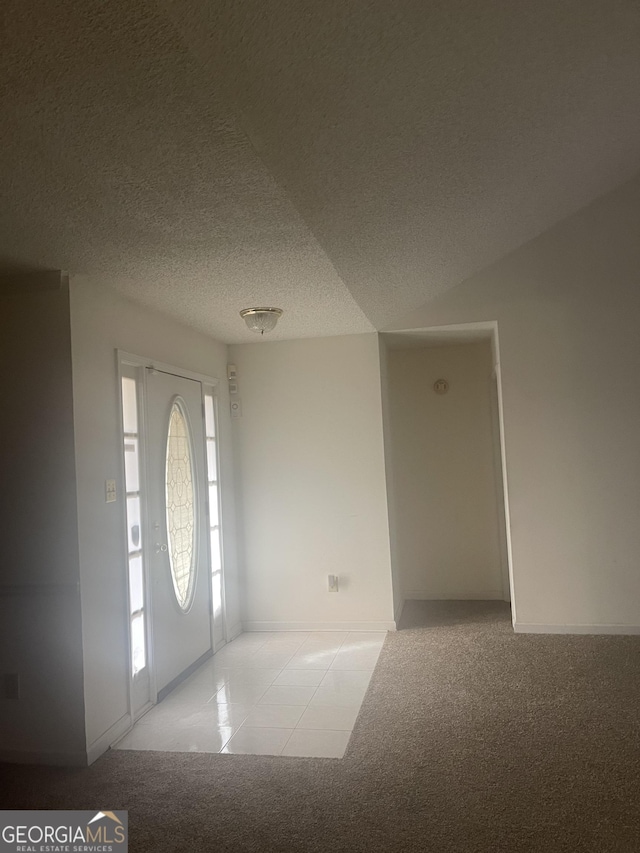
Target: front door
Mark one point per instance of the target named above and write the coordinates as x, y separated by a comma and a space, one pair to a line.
178, 525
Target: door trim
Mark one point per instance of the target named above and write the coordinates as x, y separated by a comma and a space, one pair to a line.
164, 367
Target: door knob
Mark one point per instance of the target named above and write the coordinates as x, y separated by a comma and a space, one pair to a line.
160, 547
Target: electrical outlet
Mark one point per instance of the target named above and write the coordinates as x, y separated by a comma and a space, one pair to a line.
11, 686
333, 583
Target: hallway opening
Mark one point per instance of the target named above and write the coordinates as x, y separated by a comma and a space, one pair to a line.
445, 453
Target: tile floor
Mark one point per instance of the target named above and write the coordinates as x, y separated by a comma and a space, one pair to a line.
279, 693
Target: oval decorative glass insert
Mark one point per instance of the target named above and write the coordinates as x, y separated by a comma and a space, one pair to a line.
180, 498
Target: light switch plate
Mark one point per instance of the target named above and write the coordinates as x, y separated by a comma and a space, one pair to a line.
110, 490
333, 583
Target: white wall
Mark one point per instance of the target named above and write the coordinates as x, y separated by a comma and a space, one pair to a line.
40, 630
445, 485
101, 321
567, 307
312, 483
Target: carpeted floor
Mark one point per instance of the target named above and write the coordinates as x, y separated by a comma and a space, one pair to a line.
470, 739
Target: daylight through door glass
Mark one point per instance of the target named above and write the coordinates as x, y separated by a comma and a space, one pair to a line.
134, 523
214, 508
181, 517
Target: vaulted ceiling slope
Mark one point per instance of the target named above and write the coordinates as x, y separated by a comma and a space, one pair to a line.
344, 161
422, 140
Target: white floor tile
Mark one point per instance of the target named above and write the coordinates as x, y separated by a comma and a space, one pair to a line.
274, 716
269, 693
230, 657
317, 744
171, 710
212, 714
338, 697
197, 692
245, 675
159, 715
213, 678
337, 719
347, 678
282, 641
300, 677
161, 739
281, 647
221, 714
327, 641
287, 695
200, 739
355, 659
311, 660
239, 693
257, 741
265, 659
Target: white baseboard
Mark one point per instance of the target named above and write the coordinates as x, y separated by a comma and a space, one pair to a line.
421, 595
233, 632
598, 628
55, 759
318, 626
112, 734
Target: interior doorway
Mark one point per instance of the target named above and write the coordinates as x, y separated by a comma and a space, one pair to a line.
172, 515
446, 460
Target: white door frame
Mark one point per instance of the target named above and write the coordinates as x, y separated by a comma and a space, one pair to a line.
490, 326
208, 383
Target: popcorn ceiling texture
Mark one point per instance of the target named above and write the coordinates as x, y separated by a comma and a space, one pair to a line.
344, 162
119, 162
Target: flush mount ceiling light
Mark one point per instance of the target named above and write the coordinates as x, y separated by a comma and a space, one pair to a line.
261, 320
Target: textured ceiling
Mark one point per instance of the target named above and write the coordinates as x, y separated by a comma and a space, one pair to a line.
119, 161
345, 162
423, 141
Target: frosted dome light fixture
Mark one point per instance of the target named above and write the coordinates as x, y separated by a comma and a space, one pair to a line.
261, 320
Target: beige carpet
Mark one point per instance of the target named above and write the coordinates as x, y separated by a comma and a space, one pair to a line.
470, 739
